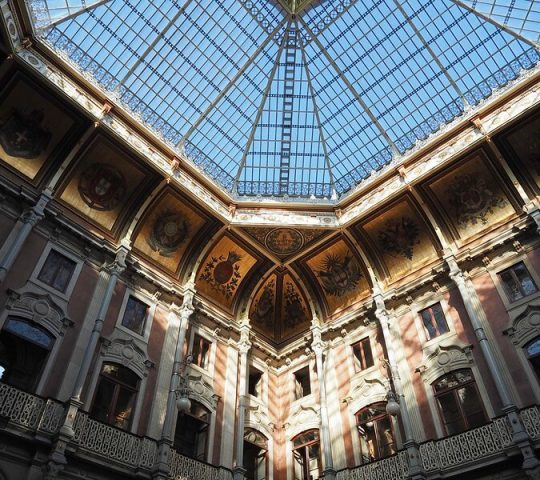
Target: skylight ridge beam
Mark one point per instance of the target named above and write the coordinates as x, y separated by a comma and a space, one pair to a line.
260, 111
432, 53
152, 45
233, 80
71, 16
317, 117
356, 95
497, 24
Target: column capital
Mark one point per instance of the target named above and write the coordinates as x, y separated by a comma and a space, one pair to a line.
119, 263
244, 344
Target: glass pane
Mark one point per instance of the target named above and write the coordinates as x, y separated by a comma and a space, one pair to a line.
103, 400
440, 319
511, 287
428, 324
135, 315
472, 406
299, 463
450, 413
28, 331
367, 353
527, 283
533, 348
314, 451
57, 271
123, 408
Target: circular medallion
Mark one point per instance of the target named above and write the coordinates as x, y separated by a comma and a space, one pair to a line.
284, 241
168, 233
102, 187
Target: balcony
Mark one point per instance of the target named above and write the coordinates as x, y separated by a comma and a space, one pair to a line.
33, 417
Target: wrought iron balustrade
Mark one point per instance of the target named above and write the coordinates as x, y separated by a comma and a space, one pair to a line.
395, 467
531, 419
185, 468
113, 443
30, 411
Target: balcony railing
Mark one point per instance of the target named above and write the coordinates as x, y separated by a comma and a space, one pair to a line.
42, 417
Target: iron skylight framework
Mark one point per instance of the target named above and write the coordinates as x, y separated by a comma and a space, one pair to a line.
304, 99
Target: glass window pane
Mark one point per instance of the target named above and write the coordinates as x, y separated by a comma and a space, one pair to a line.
472, 406
123, 408
450, 413
135, 315
103, 400
527, 284
511, 287
428, 323
440, 319
57, 271
533, 348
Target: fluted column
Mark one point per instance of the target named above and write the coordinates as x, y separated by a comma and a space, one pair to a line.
57, 458
244, 346
416, 470
26, 222
318, 347
184, 313
531, 464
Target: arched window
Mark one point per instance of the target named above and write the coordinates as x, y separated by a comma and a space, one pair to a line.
116, 392
460, 405
24, 348
307, 456
532, 349
377, 438
255, 455
191, 434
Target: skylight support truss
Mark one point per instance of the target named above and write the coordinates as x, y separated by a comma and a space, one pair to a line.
69, 16
497, 24
317, 116
232, 82
260, 110
432, 53
356, 95
153, 44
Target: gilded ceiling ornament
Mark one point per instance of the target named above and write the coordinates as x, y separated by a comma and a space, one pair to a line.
102, 187
295, 312
472, 200
399, 237
223, 273
264, 307
21, 135
169, 231
339, 274
284, 241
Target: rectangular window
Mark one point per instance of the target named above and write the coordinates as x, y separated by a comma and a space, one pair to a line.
57, 271
363, 358
201, 351
517, 282
434, 321
302, 383
255, 382
135, 315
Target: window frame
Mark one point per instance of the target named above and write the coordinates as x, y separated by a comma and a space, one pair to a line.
137, 391
149, 316
192, 332
434, 322
208, 426
358, 361
505, 289
34, 277
304, 446
375, 419
454, 390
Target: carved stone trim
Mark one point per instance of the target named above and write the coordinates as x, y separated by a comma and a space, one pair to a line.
258, 419
302, 418
41, 309
525, 326
202, 391
443, 359
365, 391
127, 353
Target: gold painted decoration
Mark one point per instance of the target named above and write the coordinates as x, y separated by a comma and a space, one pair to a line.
31, 127
400, 238
263, 308
472, 198
98, 187
339, 275
168, 230
284, 241
223, 270
294, 309
102, 186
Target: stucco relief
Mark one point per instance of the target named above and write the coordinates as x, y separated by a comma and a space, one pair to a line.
365, 390
302, 417
41, 309
257, 418
441, 359
126, 352
525, 325
202, 391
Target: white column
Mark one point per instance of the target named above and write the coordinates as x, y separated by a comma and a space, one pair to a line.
318, 347
244, 346
163, 457
473, 307
416, 470
15, 241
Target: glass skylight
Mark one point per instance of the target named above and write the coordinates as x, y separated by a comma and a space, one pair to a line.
292, 97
